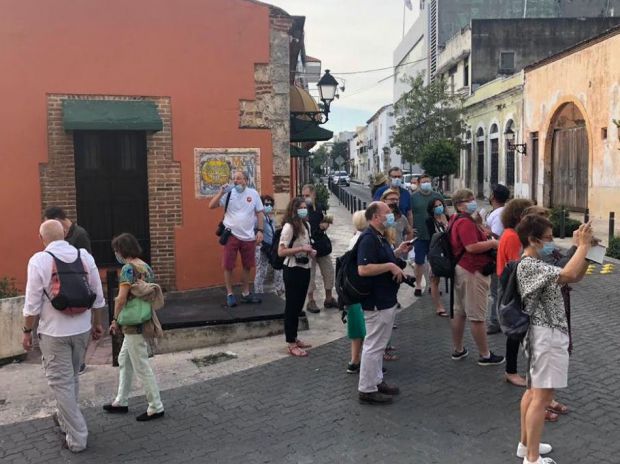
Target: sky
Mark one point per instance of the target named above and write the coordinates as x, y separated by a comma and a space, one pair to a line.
349, 36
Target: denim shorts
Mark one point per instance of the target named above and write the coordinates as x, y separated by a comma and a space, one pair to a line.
421, 250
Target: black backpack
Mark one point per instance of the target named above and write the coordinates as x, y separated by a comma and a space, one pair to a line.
440, 255
71, 293
513, 320
350, 287
277, 261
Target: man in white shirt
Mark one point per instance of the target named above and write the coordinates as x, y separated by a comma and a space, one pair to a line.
63, 337
499, 196
242, 215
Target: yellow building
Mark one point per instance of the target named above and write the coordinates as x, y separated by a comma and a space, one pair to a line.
571, 100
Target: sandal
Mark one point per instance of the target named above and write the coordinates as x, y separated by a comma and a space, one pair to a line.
390, 348
558, 407
550, 416
294, 350
331, 303
301, 344
390, 356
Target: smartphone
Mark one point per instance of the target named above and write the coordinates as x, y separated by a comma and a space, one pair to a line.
410, 242
228, 188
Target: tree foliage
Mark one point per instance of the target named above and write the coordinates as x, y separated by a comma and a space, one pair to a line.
340, 149
318, 162
440, 158
426, 114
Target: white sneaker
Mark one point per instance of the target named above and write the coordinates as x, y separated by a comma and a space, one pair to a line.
544, 448
540, 460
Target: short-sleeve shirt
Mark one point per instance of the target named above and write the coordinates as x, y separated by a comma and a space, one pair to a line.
494, 221
541, 294
373, 248
404, 203
131, 273
419, 205
465, 232
240, 216
509, 249
304, 239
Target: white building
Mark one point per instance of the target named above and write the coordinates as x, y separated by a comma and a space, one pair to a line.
358, 149
381, 154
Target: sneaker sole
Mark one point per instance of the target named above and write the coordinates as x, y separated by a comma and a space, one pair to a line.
374, 402
483, 364
460, 357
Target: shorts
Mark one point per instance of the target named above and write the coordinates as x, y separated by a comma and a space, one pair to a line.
549, 357
247, 250
421, 250
471, 293
356, 326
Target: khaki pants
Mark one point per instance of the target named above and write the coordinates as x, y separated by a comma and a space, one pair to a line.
327, 271
378, 332
62, 357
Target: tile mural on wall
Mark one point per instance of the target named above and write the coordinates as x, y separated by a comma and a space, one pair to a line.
214, 167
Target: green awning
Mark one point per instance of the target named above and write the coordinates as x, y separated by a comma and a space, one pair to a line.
297, 152
307, 131
110, 115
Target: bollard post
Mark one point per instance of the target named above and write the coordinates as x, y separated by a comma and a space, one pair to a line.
562, 223
364, 205
359, 204
586, 216
112, 287
612, 225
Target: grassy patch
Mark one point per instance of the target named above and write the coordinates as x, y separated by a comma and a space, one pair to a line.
212, 359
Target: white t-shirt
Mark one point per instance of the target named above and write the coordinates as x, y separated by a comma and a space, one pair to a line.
51, 321
240, 216
494, 221
285, 239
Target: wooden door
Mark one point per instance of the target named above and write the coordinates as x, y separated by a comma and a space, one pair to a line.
570, 168
480, 176
112, 189
468, 166
494, 162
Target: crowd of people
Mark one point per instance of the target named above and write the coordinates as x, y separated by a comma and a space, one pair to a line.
395, 227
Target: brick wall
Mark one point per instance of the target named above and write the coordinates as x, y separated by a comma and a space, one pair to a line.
164, 179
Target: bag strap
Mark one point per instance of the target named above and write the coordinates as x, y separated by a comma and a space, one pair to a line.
227, 201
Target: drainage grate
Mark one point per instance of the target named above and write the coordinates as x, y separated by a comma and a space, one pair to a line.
216, 358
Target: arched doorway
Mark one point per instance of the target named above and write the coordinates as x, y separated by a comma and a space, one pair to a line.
494, 137
510, 158
480, 164
569, 159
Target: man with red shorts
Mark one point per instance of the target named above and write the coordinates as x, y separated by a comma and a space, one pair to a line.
243, 223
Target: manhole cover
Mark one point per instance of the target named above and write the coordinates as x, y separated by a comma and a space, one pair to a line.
216, 358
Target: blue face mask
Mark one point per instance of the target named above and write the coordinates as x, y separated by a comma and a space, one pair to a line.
472, 206
438, 210
302, 213
546, 250
389, 220
268, 209
397, 182
119, 258
239, 188
426, 186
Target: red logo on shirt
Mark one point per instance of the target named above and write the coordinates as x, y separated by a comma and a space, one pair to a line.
249, 199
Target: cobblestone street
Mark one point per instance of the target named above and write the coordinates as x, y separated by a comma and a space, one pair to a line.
306, 410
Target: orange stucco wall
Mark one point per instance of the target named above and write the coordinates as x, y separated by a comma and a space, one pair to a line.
590, 78
200, 53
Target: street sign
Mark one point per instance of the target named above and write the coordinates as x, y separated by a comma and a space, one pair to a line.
339, 161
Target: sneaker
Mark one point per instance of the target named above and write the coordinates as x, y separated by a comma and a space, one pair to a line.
544, 448
492, 360
111, 408
312, 307
417, 292
250, 298
374, 398
82, 369
353, 368
540, 460
231, 301
460, 355
491, 330
388, 389
332, 303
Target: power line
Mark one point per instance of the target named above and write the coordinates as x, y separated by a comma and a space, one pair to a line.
366, 71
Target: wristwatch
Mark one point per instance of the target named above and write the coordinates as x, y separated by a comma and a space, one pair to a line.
26, 330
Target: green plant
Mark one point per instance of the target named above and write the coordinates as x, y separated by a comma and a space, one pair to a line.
7, 287
570, 225
322, 196
613, 249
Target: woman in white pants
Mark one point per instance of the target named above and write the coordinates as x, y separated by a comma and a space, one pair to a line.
133, 356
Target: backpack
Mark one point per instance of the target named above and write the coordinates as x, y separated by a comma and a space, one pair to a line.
513, 320
277, 261
440, 255
71, 293
350, 287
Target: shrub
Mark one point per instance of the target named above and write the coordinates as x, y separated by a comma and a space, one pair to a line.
613, 249
8, 288
570, 225
322, 195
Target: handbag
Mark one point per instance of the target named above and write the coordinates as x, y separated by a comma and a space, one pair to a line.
135, 312
220, 227
322, 244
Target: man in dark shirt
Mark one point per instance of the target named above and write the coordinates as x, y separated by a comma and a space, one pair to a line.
396, 183
377, 261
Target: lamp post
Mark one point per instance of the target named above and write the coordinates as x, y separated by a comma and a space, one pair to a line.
520, 148
327, 86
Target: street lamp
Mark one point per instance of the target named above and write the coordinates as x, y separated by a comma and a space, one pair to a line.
520, 148
327, 86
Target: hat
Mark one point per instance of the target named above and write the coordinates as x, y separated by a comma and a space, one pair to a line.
380, 179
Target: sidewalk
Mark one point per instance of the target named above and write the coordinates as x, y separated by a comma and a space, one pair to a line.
24, 393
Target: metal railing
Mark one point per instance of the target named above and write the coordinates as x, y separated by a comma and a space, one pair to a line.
350, 201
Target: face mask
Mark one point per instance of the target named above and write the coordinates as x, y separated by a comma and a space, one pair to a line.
308, 201
268, 209
239, 188
414, 186
546, 250
389, 220
472, 206
396, 182
438, 210
119, 258
426, 186
302, 213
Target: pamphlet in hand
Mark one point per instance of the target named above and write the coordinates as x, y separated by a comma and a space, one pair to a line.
596, 254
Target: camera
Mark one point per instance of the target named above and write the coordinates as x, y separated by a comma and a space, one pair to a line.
226, 233
302, 259
409, 280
